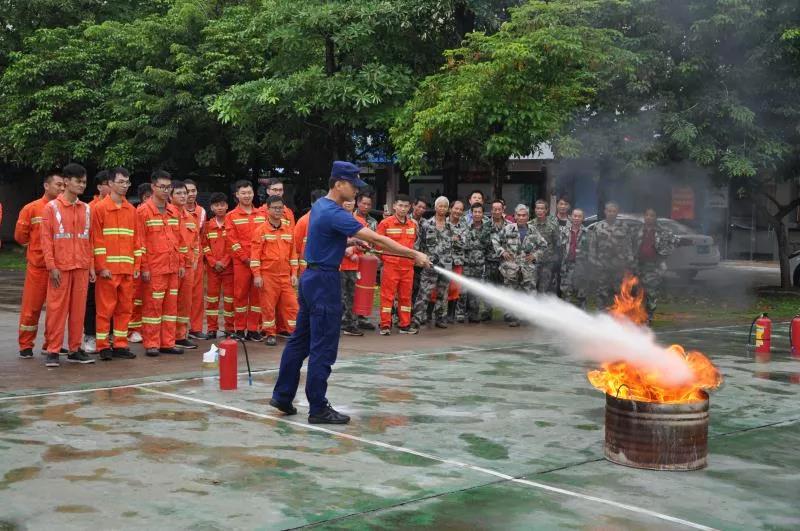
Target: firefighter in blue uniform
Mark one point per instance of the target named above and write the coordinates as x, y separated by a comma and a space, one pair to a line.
316, 335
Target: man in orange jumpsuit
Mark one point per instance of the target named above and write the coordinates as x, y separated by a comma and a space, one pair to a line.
190, 249
348, 275
273, 259
135, 325
116, 262
27, 233
90, 318
240, 224
397, 278
275, 189
219, 268
162, 264
67, 250
301, 231
198, 308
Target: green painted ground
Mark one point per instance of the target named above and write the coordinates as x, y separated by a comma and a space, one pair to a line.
433, 438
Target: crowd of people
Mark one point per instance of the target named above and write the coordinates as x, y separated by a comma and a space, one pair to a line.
110, 274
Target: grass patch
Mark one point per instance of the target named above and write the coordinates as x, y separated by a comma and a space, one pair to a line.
12, 258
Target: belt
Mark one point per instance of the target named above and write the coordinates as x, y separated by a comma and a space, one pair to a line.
321, 267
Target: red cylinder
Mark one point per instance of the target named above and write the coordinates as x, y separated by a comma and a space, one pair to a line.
794, 336
763, 339
365, 285
228, 365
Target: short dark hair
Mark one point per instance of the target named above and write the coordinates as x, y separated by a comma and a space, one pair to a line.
101, 177
651, 208
362, 195
119, 170
48, 178
272, 181
499, 200
332, 181
73, 170
421, 200
190, 181
217, 197
473, 206
477, 192
160, 175
540, 202
565, 198
273, 199
143, 190
177, 185
402, 197
317, 193
242, 183
457, 201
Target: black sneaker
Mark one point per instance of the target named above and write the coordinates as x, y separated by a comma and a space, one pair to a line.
328, 416
352, 331
471, 320
151, 352
271, 341
285, 335
198, 335
171, 350
366, 325
228, 333
288, 409
253, 336
52, 360
409, 330
26, 354
79, 357
105, 354
440, 324
186, 344
123, 353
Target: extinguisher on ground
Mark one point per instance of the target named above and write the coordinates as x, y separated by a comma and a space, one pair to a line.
229, 363
794, 336
364, 297
761, 328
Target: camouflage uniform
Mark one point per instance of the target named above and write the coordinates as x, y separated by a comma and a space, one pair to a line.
518, 273
651, 272
439, 246
549, 230
610, 256
493, 259
573, 272
460, 230
477, 247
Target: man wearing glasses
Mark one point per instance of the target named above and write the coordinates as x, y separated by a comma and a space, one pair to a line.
116, 261
275, 189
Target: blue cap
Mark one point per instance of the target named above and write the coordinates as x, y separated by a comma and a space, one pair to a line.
347, 171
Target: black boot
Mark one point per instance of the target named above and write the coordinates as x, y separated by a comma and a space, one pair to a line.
451, 311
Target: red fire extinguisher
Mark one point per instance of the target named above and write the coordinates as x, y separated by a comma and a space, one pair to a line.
228, 365
762, 326
794, 336
365, 285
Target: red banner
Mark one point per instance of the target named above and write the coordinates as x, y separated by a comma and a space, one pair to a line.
682, 202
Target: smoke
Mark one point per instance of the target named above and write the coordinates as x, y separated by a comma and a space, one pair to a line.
596, 337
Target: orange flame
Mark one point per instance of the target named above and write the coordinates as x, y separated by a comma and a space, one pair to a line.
626, 381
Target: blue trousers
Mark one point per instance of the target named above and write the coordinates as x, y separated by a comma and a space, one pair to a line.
315, 337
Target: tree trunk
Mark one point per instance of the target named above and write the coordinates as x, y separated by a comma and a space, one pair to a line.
499, 170
781, 233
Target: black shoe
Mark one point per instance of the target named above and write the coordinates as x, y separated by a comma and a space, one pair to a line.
79, 357
366, 325
328, 416
105, 354
199, 335
352, 331
409, 330
186, 344
52, 360
271, 341
288, 409
171, 350
238, 336
123, 353
152, 352
486, 318
253, 336
26, 354
64, 351
440, 324
471, 320
228, 333
285, 335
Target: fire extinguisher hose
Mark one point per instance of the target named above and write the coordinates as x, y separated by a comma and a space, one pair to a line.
246, 358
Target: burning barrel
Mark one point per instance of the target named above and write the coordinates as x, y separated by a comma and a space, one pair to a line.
657, 435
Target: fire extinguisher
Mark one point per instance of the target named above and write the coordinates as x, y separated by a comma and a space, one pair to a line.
762, 326
794, 336
229, 363
365, 285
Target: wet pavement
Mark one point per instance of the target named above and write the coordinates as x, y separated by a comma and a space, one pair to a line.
479, 428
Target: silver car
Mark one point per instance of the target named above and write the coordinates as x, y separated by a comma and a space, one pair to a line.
695, 252
794, 268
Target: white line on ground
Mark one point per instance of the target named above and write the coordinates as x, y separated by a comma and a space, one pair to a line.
535, 484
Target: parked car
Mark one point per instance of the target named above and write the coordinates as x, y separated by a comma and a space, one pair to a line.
794, 268
695, 252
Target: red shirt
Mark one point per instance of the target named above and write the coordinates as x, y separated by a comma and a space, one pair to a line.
573, 244
647, 250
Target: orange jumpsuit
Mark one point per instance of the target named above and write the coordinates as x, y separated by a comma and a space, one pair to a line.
239, 229
27, 233
300, 238
135, 324
159, 241
273, 258
190, 248
66, 247
196, 317
113, 228
216, 250
397, 278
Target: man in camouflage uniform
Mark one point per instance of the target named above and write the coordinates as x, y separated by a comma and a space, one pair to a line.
521, 248
549, 230
652, 244
496, 221
610, 255
437, 239
363, 209
460, 227
477, 247
574, 244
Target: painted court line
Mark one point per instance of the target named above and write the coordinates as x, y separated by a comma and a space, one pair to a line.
459, 464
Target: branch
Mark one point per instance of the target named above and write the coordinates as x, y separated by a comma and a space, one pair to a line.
783, 210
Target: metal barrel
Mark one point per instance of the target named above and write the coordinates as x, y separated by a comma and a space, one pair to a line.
657, 436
